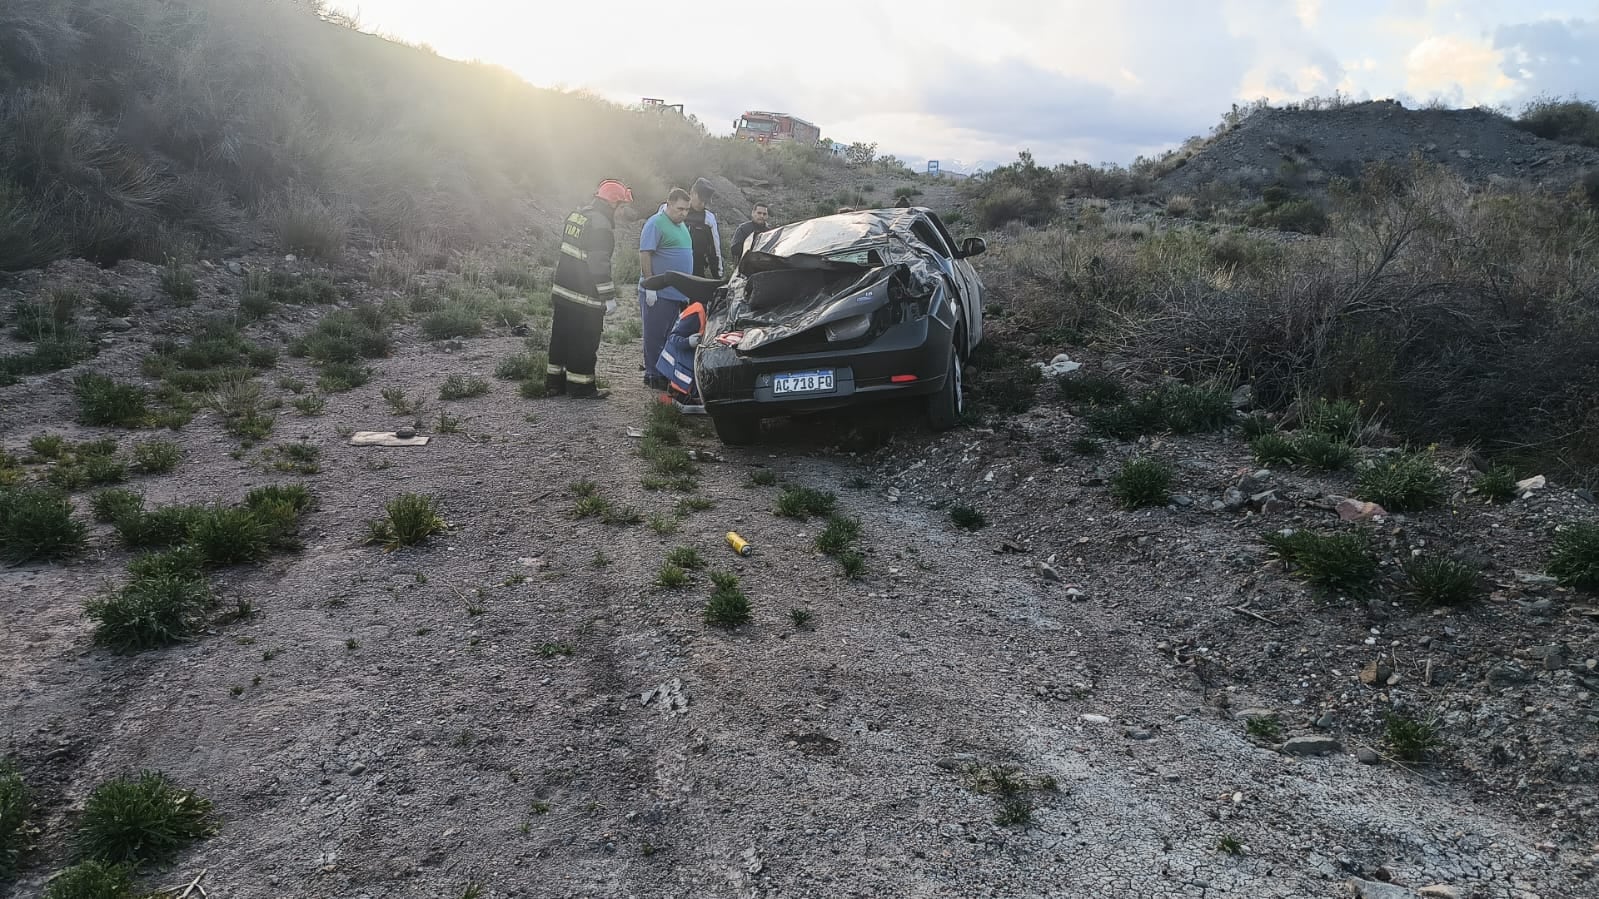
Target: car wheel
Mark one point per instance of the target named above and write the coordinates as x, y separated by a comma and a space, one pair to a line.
944, 408
737, 430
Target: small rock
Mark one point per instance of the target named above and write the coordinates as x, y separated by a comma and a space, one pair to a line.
1244, 396
357, 769
1367, 756
1359, 510
234, 268
1076, 593
1508, 674
1234, 499
1089, 718
1440, 891
1138, 733
1528, 486
1327, 721
1374, 674
1371, 889
1311, 746
1249, 713
1050, 572
119, 324
1183, 502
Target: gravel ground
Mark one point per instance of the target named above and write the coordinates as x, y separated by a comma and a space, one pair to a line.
417, 728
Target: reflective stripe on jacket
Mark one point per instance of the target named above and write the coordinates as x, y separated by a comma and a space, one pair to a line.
583, 271
676, 363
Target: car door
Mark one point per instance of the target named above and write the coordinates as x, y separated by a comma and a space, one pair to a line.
967, 284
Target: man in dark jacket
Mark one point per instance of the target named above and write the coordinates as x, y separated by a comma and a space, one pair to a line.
702, 228
583, 292
760, 218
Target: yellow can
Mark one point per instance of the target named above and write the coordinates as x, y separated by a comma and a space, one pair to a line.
739, 544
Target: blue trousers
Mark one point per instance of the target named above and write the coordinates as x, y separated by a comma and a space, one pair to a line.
658, 322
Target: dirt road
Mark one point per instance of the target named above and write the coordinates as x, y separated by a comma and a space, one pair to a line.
411, 724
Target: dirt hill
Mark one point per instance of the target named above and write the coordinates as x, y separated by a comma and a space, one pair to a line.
1310, 147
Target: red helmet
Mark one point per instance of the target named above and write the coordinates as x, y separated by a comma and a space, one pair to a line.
613, 191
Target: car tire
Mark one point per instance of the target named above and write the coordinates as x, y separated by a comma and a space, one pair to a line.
944, 408
737, 430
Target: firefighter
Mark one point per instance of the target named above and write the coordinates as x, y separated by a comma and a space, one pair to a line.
584, 292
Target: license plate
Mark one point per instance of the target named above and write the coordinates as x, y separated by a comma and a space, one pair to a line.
803, 382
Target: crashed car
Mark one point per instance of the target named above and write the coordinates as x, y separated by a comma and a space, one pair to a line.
843, 309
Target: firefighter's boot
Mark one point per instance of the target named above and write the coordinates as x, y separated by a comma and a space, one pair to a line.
555, 383
587, 391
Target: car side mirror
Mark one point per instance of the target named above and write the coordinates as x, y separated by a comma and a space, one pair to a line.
973, 246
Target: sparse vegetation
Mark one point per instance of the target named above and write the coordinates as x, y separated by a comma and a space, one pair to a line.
400, 404
521, 367
1575, 560
1333, 561
16, 807
232, 535
1265, 727
1141, 483
1323, 452
671, 577
92, 880
115, 503
310, 405
763, 477
102, 401
728, 607
156, 608
1091, 389
967, 518
687, 558
801, 618
1441, 581
1274, 450
804, 502
460, 387
36, 523
1230, 845
409, 519
142, 819
1412, 739
1497, 485
156, 456
1404, 483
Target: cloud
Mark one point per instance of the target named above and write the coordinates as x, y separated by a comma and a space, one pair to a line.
1454, 67
1557, 57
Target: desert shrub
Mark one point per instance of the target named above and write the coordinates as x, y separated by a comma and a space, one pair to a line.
671, 577
338, 377
967, 518
102, 401
43, 317
1412, 739
92, 880
728, 606
1274, 451
154, 610
1575, 560
37, 523
1403, 483
1323, 452
137, 820
1570, 121
115, 503
346, 335
838, 535
1091, 389
184, 562
454, 320
521, 367
156, 456
310, 405
303, 223
178, 283
1141, 483
230, 536
1497, 484
15, 808
1131, 419
408, 519
162, 526
804, 502
687, 558
1334, 561
1441, 581
460, 387
1338, 420
1191, 408
1009, 204
1302, 215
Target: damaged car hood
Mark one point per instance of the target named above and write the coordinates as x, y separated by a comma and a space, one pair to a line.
824, 271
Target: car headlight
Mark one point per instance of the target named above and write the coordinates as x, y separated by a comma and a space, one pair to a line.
848, 328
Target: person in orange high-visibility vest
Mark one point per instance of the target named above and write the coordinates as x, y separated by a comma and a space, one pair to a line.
583, 292
676, 362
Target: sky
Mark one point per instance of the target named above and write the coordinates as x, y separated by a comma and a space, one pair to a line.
974, 82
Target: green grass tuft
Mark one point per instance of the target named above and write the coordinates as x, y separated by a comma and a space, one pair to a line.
1406, 483
671, 577
408, 520
92, 880
1497, 485
1333, 561
460, 387
150, 611
115, 503
763, 477
521, 367
839, 535
36, 523
156, 456
1575, 560
1141, 483
804, 502
1337, 420
1265, 727
687, 558
1273, 450
1412, 739
16, 807
967, 518
1441, 581
1091, 389
728, 606
104, 402
1197, 408
1323, 452
162, 526
141, 820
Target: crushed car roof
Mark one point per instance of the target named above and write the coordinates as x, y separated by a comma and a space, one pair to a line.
832, 234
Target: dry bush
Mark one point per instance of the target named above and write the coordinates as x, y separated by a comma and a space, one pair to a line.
303, 223
1447, 313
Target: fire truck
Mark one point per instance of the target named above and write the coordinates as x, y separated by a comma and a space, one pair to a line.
775, 127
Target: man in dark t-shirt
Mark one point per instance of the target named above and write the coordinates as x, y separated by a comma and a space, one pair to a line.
760, 216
